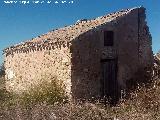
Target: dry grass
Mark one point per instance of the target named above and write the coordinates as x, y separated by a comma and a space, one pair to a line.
143, 104
47, 103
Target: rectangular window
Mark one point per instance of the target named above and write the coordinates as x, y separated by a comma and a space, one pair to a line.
108, 38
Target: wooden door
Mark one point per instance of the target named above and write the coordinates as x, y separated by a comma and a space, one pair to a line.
109, 82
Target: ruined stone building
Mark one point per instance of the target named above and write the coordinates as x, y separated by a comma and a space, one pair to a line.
93, 58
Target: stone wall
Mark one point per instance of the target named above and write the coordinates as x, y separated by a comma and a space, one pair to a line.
127, 47
88, 50
145, 41
85, 70
27, 69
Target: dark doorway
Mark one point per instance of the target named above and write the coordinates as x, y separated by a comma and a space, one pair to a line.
109, 81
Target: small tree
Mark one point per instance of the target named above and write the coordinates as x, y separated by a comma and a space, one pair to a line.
2, 71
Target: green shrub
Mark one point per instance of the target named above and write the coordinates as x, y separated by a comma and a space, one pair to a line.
2, 71
3, 95
2, 79
46, 92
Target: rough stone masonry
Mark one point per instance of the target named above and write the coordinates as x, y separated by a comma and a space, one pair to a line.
93, 58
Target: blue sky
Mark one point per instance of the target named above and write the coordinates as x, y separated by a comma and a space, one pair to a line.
19, 22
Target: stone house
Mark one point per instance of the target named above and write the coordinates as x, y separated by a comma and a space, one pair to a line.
93, 58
